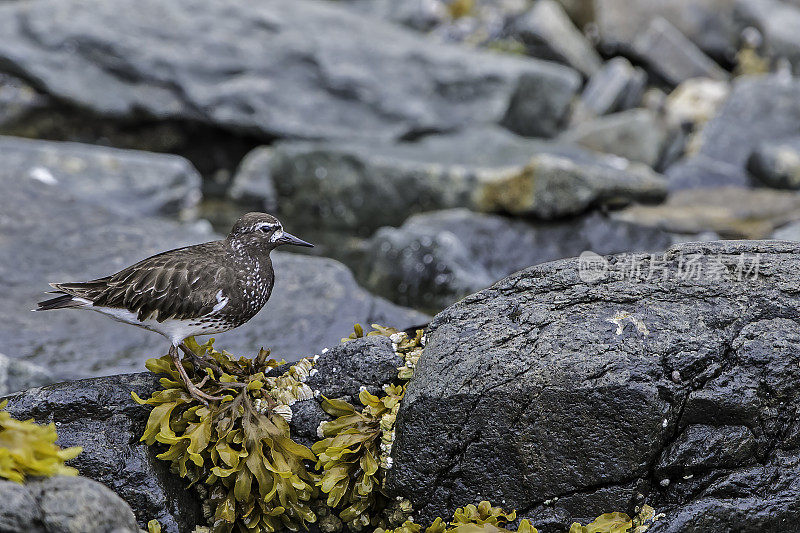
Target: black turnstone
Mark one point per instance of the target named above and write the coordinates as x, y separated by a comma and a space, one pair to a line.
197, 290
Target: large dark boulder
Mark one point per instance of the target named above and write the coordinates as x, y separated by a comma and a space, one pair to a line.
300, 69
578, 387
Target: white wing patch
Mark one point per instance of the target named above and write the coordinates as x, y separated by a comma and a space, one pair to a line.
222, 301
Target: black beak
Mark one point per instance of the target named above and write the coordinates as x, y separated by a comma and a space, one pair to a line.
288, 238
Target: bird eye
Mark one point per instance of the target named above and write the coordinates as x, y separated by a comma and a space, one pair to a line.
265, 229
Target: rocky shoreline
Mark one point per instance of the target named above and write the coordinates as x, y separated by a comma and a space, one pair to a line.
504, 407
554, 180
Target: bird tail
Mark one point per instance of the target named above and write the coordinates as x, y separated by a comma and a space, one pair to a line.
65, 301
71, 295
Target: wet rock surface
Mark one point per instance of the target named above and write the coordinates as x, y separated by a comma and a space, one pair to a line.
436, 258
370, 79
621, 382
347, 367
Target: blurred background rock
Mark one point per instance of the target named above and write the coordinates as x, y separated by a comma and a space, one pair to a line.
428, 147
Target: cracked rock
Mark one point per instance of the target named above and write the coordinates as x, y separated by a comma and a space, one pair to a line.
528, 393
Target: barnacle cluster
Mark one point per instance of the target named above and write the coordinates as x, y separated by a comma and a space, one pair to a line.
29, 449
256, 474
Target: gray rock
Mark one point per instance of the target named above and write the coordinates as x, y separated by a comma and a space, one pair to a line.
674, 57
759, 109
777, 163
479, 168
732, 212
330, 73
548, 33
252, 184
63, 504
81, 505
436, 258
16, 375
700, 171
123, 181
787, 232
100, 415
369, 362
615, 87
18, 509
314, 301
710, 24
552, 186
546, 386
637, 135
777, 22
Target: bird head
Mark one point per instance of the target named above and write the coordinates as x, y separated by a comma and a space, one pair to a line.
263, 231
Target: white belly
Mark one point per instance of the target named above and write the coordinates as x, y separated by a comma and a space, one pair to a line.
176, 330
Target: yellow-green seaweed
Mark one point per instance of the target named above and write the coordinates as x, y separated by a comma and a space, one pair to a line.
483, 518
240, 446
30, 449
353, 450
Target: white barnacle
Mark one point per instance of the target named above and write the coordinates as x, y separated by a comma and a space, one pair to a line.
283, 410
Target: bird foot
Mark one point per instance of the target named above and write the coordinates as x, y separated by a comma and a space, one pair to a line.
194, 390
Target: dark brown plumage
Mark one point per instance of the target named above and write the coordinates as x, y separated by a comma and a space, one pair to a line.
202, 289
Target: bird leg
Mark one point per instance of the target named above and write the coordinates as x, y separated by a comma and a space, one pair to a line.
199, 360
191, 387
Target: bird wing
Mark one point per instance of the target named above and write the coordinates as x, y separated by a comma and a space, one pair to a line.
169, 285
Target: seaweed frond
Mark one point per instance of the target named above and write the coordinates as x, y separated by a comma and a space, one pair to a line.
240, 446
355, 452
30, 449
